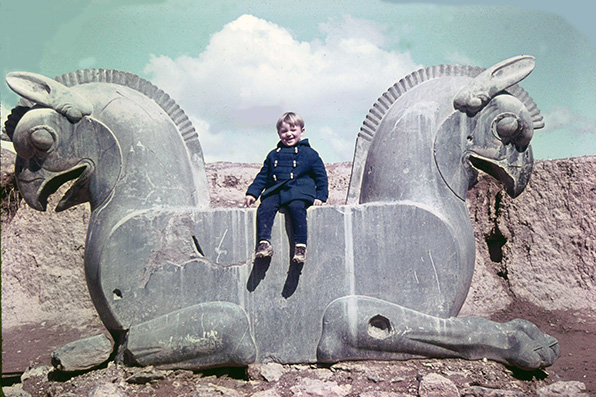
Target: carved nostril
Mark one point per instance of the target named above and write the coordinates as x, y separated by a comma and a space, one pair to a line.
41, 138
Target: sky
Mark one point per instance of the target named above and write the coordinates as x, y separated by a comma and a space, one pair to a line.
235, 66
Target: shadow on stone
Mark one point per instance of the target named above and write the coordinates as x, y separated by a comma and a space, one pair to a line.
259, 268
292, 280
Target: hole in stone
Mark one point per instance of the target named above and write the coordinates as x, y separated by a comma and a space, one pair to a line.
117, 294
379, 327
503, 273
195, 241
495, 242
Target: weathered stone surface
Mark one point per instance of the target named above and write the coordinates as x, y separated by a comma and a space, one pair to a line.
271, 372
574, 388
316, 387
479, 391
40, 372
15, 391
201, 335
540, 247
215, 390
9, 192
435, 385
42, 274
164, 272
83, 354
106, 389
145, 375
41, 290
267, 393
395, 379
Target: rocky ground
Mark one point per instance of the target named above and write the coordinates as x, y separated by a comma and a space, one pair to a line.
536, 257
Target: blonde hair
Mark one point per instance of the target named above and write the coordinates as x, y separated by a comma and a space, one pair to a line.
290, 118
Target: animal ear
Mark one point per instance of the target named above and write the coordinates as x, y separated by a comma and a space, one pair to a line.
477, 93
50, 93
509, 72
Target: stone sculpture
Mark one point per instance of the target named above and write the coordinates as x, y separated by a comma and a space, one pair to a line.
174, 281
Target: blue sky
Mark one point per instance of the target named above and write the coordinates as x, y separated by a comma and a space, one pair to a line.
235, 66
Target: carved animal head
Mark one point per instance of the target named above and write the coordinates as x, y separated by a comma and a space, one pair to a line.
56, 141
501, 124
456, 114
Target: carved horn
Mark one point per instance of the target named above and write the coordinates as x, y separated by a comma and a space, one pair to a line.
473, 97
50, 93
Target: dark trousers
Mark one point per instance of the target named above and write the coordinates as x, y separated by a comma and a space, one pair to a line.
295, 209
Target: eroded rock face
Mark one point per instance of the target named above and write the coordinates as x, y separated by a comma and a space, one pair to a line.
539, 248
42, 263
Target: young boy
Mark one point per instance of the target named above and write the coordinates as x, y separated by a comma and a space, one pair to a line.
293, 176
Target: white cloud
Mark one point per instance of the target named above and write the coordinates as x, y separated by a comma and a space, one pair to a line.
254, 70
562, 117
559, 117
460, 59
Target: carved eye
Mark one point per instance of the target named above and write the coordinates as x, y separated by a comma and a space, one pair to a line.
506, 127
42, 138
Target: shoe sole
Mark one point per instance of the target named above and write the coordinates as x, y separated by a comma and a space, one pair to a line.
262, 255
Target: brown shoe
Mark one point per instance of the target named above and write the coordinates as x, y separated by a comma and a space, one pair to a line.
299, 253
264, 250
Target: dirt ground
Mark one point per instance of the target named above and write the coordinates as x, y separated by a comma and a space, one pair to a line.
30, 346
576, 336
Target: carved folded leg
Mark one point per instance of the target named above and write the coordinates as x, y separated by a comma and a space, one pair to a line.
205, 335
359, 328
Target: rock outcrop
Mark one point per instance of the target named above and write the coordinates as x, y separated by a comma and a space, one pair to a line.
539, 248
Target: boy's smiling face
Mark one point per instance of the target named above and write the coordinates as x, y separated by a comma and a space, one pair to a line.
290, 134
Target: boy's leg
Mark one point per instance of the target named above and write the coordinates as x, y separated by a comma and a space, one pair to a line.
297, 212
265, 217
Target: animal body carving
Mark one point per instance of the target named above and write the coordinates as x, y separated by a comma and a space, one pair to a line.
174, 281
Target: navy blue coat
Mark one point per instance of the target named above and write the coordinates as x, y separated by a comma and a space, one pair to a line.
295, 172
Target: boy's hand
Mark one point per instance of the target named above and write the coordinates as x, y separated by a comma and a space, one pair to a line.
249, 200
317, 203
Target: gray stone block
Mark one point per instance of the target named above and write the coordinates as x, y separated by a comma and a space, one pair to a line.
385, 273
83, 354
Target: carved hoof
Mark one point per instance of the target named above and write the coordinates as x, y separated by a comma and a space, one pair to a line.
530, 348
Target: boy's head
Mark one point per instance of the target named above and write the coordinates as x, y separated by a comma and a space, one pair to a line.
290, 128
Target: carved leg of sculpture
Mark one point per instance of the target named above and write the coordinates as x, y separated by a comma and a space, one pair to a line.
205, 335
359, 328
